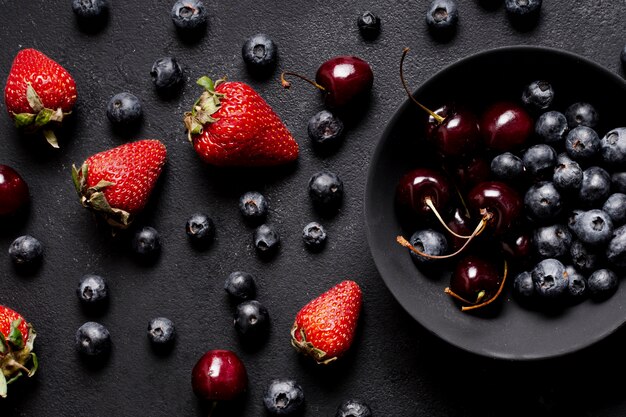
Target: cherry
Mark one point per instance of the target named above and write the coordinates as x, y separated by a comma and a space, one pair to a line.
505, 126
341, 79
517, 246
423, 191
476, 282
460, 224
472, 172
498, 203
219, 375
13, 191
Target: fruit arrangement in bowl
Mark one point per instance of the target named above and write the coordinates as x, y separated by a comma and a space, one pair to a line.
496, 190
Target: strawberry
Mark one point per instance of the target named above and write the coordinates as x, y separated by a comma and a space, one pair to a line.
38, 92
325, 327
117, 183
231, 125
17, 338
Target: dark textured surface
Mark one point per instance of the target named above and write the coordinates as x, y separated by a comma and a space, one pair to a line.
395, 364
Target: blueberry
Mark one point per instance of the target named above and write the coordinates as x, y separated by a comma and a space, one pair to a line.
166, 74
613, 147
266, 239
543, 201
251, 319
582, 143
240, 286
353, 408
430, 242
615, 207
26, 251
314, 236
594, 227
260, 53
92, 290
90, 9
572, 220
568, 176
93, 339
325, 129
253, 206
550, 278
538, 95
581, 114
539, 160
522, 8
596, 186
200, 229
577, 286
552, 241
563, 158
283, 397
551, 127
523, 285
442, 16
618, 182
326, 189
161, 331
508, 167
147, 243
124, 109
584, 258
616, 249
602, 283
369, 25
189, 15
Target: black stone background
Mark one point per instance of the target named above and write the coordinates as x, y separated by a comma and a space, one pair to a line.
399, 368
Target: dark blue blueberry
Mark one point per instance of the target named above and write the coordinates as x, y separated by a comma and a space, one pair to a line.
147, 243
523, 285
92, 290
166, 74
602, 284
26, 251
353, 408
325, 129
551, 127
615, 207
369, 25
543, 201
240, 286
550, 278
596, 186
582, 143
90, 9
266, 239
442, 16
577, 286
161, 331
572, 219
251, 320
568, 176
539, 161
563, 158
618, 182
584, 258
552, 241
326, 189
189, 15
314, 236
538, 95
522, 8
200, 229
581, 114
616, 249
253, 206
124, 109
613, 147
430, 242
93, 339
283, 397
260, 53
594, 227
508, 167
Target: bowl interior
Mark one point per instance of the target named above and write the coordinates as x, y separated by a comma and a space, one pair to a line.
513, 331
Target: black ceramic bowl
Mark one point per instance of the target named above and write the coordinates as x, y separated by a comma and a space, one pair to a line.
511, 331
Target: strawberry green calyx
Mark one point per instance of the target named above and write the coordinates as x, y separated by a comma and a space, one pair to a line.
15, 354
94, 199
307, 348
204, 108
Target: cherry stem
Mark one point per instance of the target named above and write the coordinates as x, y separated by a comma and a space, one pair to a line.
287, 84
213, 405
492, 299
434, 115
429, 202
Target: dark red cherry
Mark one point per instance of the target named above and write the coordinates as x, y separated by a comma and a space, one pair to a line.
505, 126
457, 134
13, 191
475, 280
461, 224
497, 200
419, 187
219, 375
471, 172
517, 246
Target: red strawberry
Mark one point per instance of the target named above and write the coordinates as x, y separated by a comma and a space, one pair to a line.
117, 183
17, 338
325, 327
38, 91
231, 125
